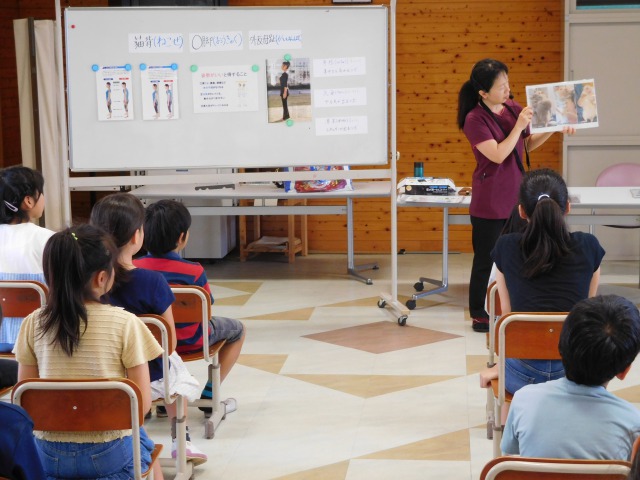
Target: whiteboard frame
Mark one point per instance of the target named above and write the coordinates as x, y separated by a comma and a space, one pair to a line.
300, 144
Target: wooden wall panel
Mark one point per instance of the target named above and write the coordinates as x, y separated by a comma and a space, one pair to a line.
437, 44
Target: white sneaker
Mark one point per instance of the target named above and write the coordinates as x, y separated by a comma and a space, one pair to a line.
230, 405
193, 453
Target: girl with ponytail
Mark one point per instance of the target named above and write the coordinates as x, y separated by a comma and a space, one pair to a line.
498, 130
75, 336
545, 268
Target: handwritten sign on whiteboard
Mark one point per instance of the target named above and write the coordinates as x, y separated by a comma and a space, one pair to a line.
275, 39
155, 42
215, 41
356, 125
339, 67
340, 97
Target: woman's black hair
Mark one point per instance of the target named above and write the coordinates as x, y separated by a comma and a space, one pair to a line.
70, 260
121, 215
16, 183
544, 198
483, 74
164, 222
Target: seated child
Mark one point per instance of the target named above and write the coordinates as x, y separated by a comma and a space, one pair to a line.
576, 417
167, 224
142, 291
75, 336
21, 202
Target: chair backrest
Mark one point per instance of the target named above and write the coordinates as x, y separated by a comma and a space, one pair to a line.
61, 405
522, 468
193, 304
620, 175
532, 336
19, 298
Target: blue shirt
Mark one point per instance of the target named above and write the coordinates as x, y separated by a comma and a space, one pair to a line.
19, 456
144, 292
562, 419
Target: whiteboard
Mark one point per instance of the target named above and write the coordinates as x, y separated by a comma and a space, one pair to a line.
350, 131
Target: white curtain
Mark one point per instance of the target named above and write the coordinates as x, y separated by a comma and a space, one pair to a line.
50, 131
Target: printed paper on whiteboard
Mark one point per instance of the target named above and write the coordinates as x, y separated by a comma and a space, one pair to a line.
159, 85
557, 105
356, 125
339, 97
225, 89
113, 92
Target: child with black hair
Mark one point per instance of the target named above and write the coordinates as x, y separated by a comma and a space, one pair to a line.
142, 291
167, 224
22, 203
75, 336
545, 268
576, 417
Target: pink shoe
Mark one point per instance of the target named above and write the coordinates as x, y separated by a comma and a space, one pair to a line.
193, 453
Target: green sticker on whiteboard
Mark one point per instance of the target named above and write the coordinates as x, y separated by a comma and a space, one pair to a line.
194, 68
289, 122
287, 57
255, 68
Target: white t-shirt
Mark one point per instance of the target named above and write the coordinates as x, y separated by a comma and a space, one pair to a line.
21, 251
21, 248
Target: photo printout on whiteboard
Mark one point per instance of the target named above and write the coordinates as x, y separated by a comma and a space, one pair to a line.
225, 89
556, 105
275, 39
339, 97
216, 41
356, 125
156, 42
288, 85
339, 67
113, 92
159, 86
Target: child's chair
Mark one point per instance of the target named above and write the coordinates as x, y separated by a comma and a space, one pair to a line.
162, 333
526, 336
193, 305
523, 468
495, 311
19, 298
85, 406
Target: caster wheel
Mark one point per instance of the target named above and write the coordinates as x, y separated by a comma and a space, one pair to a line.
369, 281
411, 304
381, 303
376, 267
208, 430
418, 286
402, 321
207, 414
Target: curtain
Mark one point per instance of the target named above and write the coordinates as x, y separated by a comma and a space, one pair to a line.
49, 128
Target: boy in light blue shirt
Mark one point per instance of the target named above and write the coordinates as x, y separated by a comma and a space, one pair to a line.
576, 417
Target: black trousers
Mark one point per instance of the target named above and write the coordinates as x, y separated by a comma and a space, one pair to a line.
484, 234
8, 372
285, 107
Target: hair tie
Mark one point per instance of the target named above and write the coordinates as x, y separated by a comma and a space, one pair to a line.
73, 234
542, 195
11, 206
